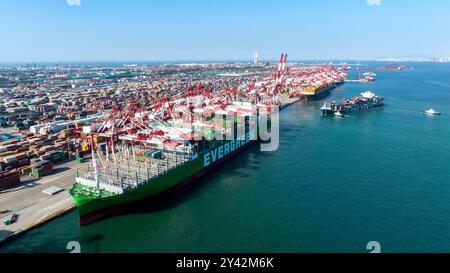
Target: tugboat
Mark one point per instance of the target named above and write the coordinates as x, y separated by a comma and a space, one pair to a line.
366, 101
432, 112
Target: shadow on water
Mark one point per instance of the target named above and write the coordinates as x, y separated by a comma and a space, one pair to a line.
289, 130
93, 240
288, 139
5, 233
265, 155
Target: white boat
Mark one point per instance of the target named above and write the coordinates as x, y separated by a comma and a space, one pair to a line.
432, 112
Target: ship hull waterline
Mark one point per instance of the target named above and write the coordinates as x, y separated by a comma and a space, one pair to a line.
325, 92
149, 202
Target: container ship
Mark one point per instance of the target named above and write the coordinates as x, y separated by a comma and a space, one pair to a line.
366, 101
145, 169
147, 152
152, 151
318, 92
320, 82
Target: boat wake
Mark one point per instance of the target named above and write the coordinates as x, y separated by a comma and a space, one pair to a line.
439, 84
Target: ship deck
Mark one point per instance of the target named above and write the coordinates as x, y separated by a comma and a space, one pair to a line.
125, 172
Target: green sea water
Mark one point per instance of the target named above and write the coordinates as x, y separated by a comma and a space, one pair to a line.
333, 185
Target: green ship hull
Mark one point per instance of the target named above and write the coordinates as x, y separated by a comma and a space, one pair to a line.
94, 205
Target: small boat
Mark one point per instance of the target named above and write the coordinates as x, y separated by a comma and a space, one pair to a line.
432, 112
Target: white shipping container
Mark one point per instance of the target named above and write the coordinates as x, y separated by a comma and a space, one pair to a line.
91, 128
44, 130
35, 129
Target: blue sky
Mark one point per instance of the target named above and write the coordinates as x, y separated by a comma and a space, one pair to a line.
146, 30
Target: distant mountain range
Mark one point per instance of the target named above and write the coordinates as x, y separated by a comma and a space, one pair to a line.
417, 59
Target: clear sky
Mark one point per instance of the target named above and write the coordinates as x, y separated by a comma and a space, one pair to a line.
154, 30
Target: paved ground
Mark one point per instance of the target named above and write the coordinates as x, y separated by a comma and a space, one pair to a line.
286, 101
33, 206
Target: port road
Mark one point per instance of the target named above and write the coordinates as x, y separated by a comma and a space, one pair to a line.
32, 205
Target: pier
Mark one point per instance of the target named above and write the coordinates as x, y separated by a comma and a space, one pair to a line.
357, 80
32, 205
286, 101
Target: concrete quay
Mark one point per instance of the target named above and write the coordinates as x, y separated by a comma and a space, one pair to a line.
32, 205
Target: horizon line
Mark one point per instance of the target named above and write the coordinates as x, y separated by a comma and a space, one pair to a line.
187, 61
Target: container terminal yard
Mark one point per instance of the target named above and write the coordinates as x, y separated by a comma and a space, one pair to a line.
73, 135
